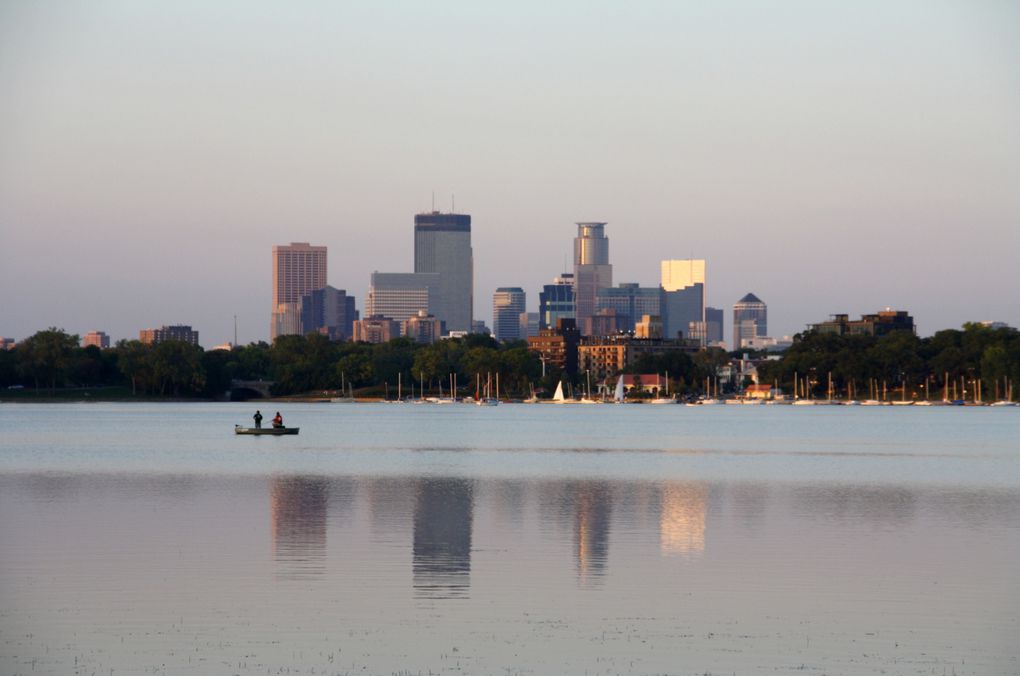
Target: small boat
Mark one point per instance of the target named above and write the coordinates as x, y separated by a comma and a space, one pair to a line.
271, 431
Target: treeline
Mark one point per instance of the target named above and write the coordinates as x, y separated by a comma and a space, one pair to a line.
52, 360
900, 361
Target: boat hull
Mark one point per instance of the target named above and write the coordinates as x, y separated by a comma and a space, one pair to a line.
268, 431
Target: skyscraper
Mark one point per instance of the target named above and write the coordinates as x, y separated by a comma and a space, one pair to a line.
556, 301
631, 303
507, 305
750, 319
442, 245
592, 270
298, 269
683, 283
400, 295
329, 311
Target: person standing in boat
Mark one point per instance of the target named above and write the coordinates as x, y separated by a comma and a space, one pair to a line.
258, 419
278, 420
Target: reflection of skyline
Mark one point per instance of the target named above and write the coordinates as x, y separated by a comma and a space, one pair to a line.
443, 518
299, 506
593, 506
682, 519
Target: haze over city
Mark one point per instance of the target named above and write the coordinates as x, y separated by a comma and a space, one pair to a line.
830, 157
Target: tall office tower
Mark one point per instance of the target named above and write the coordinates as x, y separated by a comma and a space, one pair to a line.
592, 270
529, 324
683, 284
400, 295
298, 269
507, 305
556, 301
329, 311
714, 322
750, 319
442, 245
631, 302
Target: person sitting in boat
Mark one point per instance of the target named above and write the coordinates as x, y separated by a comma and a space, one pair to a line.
278, 420
258, 419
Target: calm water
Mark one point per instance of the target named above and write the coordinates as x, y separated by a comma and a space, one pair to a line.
510, 539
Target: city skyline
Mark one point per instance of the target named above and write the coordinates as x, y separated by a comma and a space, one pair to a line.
829, 158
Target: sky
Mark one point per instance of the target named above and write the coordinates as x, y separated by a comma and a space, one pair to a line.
828, 156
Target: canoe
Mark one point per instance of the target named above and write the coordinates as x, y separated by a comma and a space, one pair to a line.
272, 431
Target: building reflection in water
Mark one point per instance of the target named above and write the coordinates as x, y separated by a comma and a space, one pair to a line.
299, 506
682, 519
593, 507
443, 517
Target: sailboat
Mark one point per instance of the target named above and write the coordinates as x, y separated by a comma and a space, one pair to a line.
488, 399
558, 397
586, 399
343, 398
533, 399
618, 395
666, 399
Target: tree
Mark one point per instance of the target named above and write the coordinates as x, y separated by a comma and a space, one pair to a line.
177, 368
133, 359
47, 356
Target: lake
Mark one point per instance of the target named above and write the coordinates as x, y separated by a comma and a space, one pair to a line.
406, 539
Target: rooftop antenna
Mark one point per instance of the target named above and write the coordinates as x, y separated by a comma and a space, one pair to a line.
453, 203
433, 200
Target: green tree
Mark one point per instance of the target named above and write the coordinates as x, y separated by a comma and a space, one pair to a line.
47, 355
134, 361
177, 368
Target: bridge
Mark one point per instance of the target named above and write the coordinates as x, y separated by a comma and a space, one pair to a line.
242, 390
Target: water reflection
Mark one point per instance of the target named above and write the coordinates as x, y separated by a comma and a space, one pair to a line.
682, 515
593, 507
299, 507
443, 517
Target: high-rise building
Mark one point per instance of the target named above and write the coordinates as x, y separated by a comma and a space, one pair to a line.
529, 324
442, 246
423, 328
400, 295
714, 321
592, 270
649, 326
96, 339
298, 269
329, 311
631, 302
750, 319
556, 301
375, 329
179, 332
683, 284
507, 305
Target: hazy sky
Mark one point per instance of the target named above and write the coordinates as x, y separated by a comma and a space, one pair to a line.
829, 156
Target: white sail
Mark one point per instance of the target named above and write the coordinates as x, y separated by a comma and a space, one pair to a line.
559, 392
618, 395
